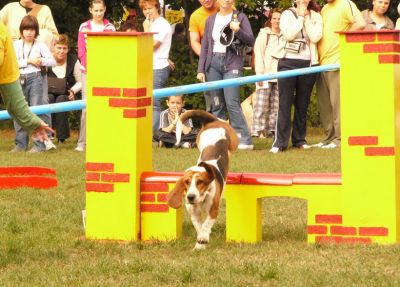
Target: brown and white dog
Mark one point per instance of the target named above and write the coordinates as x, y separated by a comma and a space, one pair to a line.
202, 184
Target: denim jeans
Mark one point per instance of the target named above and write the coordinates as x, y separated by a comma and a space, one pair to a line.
228, 97
33, 92
160, 78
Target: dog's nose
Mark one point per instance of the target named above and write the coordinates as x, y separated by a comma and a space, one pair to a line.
191, 197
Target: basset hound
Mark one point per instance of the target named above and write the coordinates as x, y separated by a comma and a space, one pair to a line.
202, 184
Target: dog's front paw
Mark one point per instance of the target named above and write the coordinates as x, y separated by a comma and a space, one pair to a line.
200, 246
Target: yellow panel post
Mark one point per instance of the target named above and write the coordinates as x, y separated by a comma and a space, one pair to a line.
119, 113
370, 108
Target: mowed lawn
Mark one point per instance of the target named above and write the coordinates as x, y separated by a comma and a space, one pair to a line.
42, 239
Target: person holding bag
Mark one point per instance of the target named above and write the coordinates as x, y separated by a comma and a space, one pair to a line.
225, 34
64, 82
301, 28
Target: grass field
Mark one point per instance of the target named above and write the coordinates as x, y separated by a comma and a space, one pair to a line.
42, 239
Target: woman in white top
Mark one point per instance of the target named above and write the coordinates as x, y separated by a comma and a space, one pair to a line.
162, 44
301, 28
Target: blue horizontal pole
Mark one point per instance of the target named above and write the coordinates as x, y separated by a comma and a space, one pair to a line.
187, 89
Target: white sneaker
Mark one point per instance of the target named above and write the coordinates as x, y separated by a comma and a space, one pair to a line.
275, 150
186, 145
80, 148
49, 145
329, 146
245, 147
318, 145
305, 146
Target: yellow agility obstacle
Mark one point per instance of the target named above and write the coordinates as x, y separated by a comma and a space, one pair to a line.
360, 205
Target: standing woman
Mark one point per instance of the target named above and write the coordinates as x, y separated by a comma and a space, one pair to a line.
376, 17
162, 44
219, 60
266, 104
97, 24
301, 28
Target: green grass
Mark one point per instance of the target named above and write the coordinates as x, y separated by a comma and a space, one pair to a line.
42, 240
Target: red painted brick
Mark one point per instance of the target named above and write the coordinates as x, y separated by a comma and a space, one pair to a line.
382, 48
329, 239
389, 36
106, 92
99, 187
360, 37
328, 218
115, 177
357, 240
134, 114
363, 140
379, 151
153, 187
154, 208
129, 103
92, 176
373, 231
141, 92
99, 166
389, 59
147, 198
317, 229
343, 230
162, 197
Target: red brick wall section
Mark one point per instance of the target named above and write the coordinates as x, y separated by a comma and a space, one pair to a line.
368, 150
132, 102
100, 177
153, 197
329, 229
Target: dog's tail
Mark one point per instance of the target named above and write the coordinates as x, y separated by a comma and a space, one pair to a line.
202, 116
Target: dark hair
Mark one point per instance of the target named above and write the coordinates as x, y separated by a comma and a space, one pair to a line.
29, 22
371, 6
314, 6
126, 26
179, 95
156, 3
96, 2
268, 22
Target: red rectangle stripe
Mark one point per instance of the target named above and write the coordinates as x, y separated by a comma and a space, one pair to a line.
329, 239
129, 103
317, 229
328, 218
99, 166
382, 48
106, 92
100, 187
134, 114
92, 176
141, 92
148, 197
363, 140
154, 208
379, 151
360, 37
343, 230
115, 177
389, 59
387, 36
162, 197
373, 231
357, 240
153, 187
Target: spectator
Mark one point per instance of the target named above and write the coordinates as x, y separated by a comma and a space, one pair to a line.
376, 18
165, 135
301, 28
225, 34
12, 13
128, 27
337, 15
11, 91
266, 104
97, 24
32, 55
162, 44
64, 83
197, 23
398, 19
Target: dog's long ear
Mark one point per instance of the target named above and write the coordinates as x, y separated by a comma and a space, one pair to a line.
210, 169
175, 196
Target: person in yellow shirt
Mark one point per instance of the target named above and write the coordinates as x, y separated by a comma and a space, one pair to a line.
337, 15
11, 90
